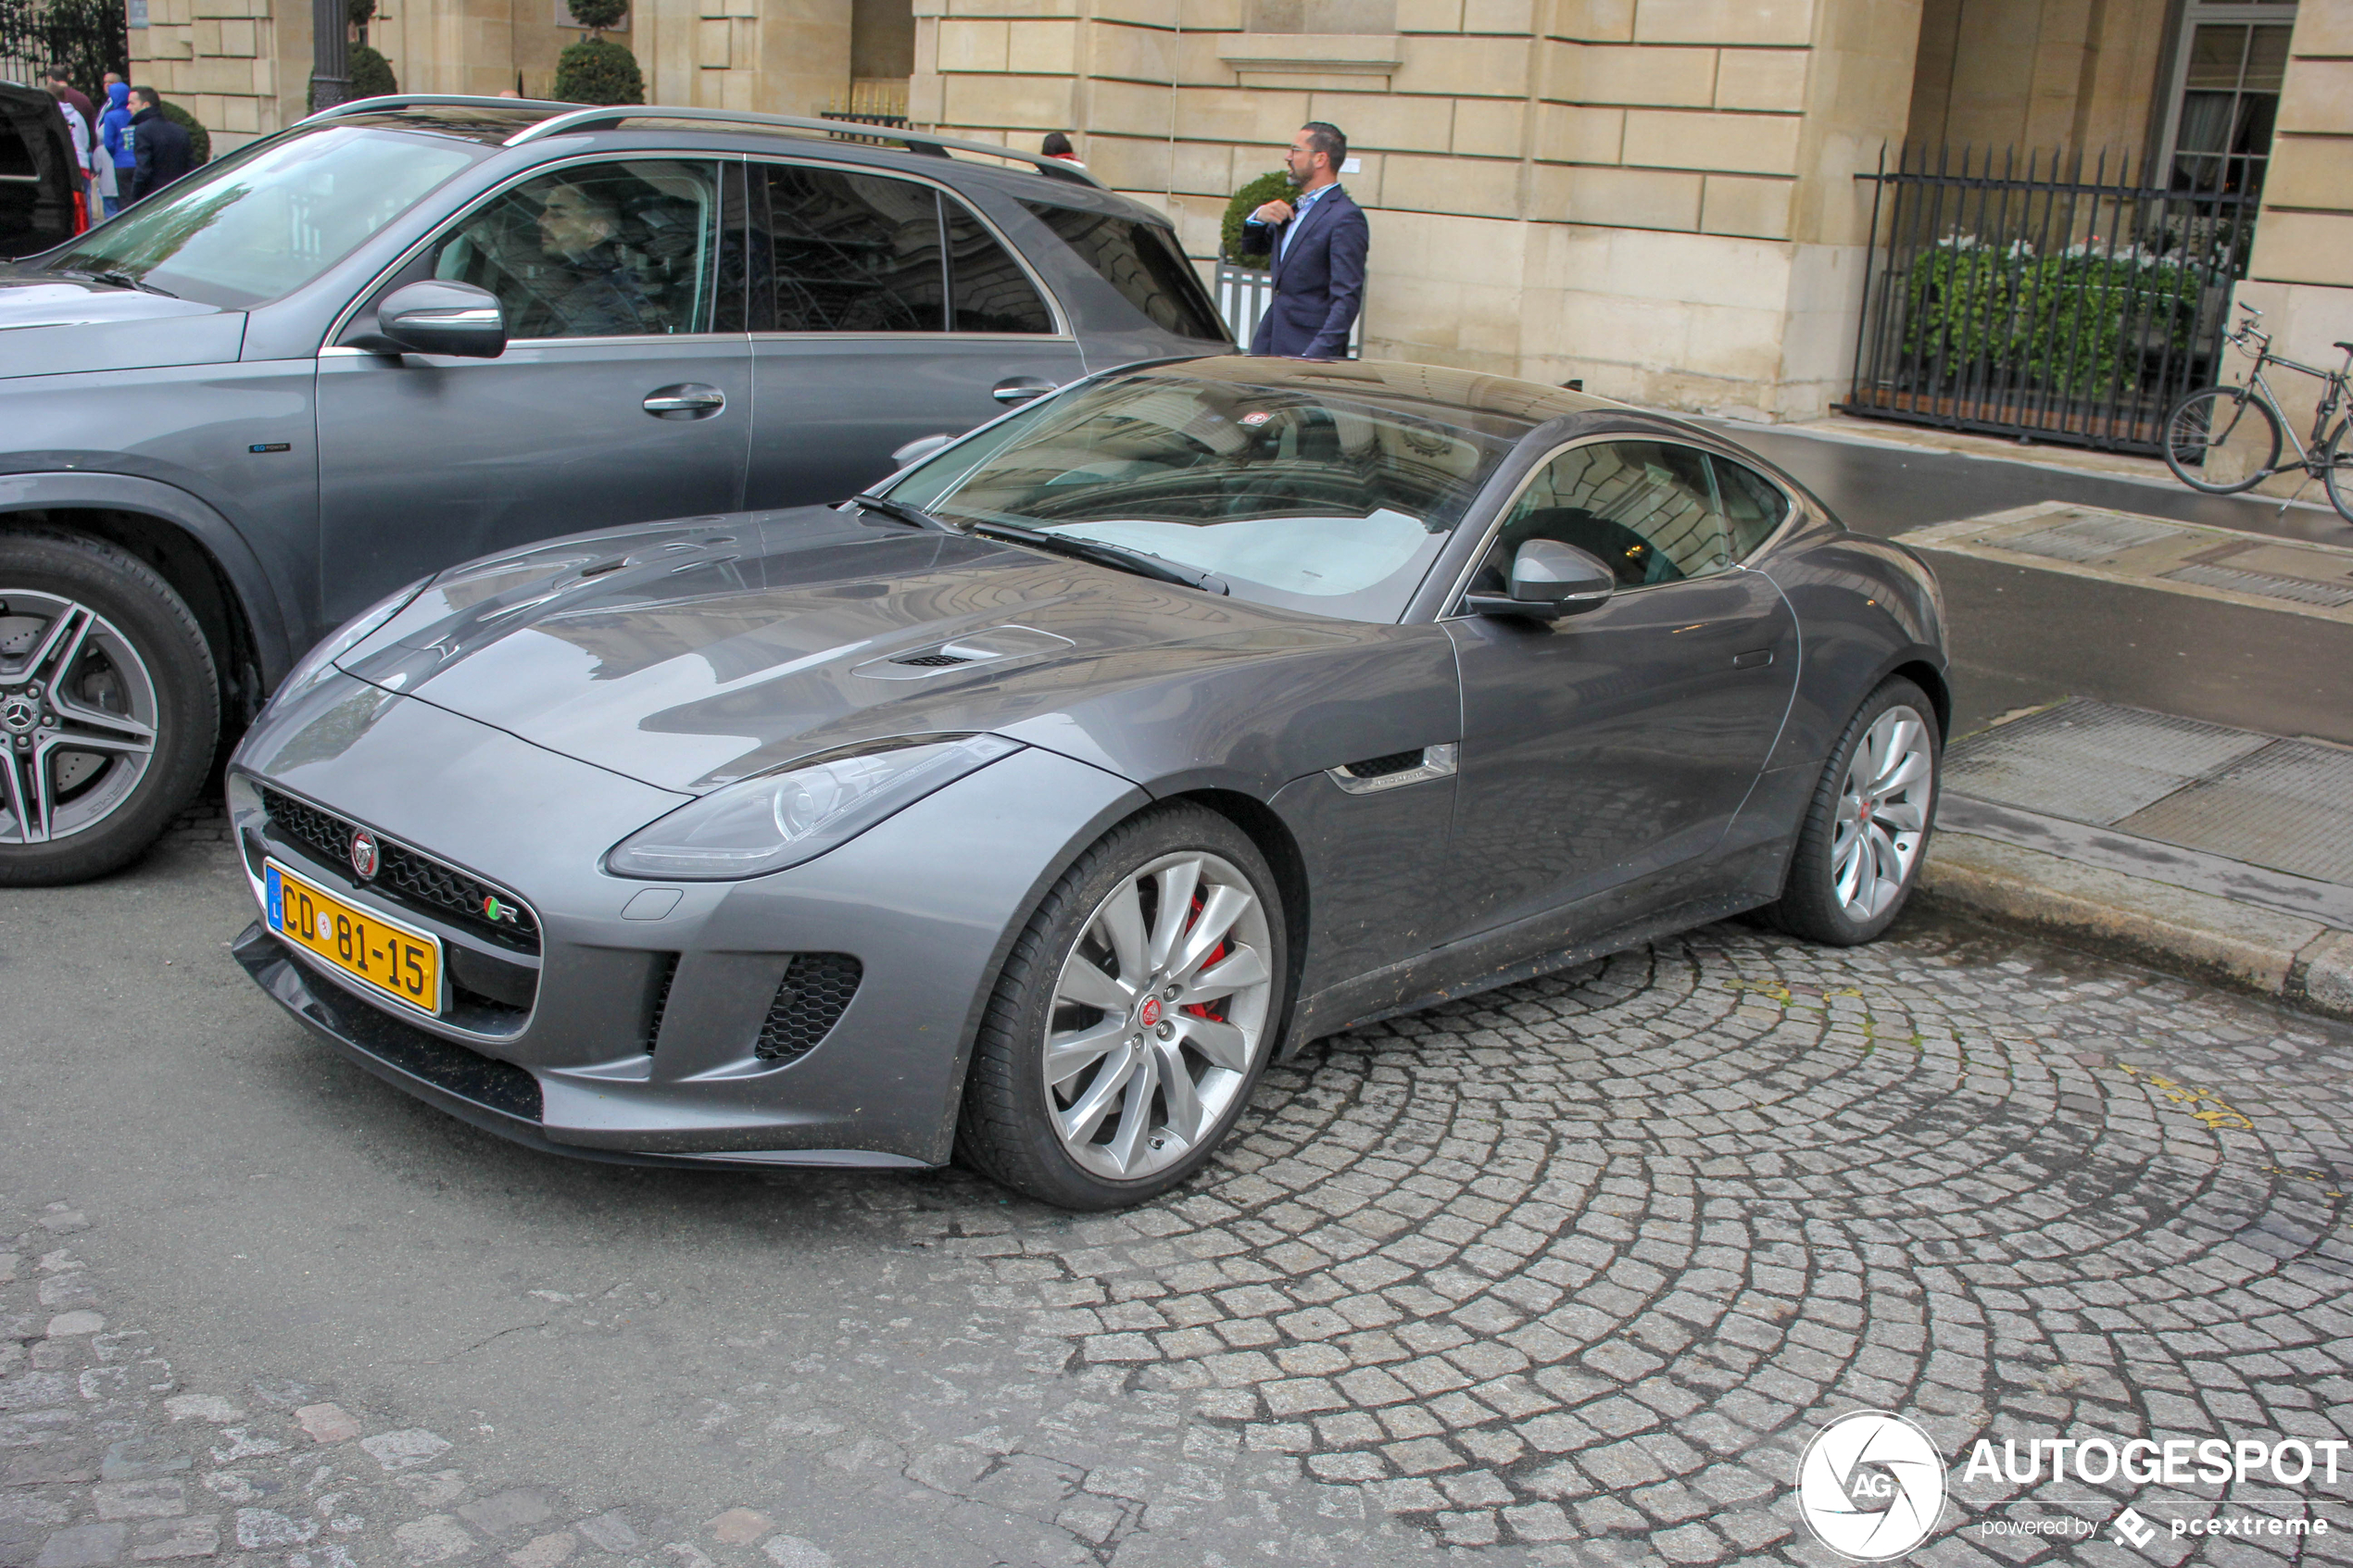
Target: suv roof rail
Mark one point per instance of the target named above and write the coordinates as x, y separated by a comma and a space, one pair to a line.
426, 100
599, 116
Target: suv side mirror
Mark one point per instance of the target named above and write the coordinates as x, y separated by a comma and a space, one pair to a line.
1549, 580
438, 318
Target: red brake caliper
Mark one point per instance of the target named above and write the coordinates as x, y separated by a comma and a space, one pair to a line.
1200, 1010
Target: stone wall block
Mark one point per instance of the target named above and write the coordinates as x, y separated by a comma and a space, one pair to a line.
1265, 119
1575, 133
970, 43
1205, 169
2303, 248
1471, 187
204, 36
1129, 109
2324, 28
1761, 78
1724, 21
1632, 198
1514, 18
1740, 204
1754, 143
241, 116
1211, 16
1590, 22
1128, 163
1114, 52
2314, 171
1044, 48
240, 38
1429, 16
1026, 103
1606, 73
1198, 64
1465, 66
2318, 97
1391, 122
1491, 127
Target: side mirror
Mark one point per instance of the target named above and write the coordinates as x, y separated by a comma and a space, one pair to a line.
438, 318
915, 451
1549, 580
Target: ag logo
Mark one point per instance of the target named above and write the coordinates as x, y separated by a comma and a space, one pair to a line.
1871, 1486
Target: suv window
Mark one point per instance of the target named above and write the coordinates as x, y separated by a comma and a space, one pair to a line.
261, 222
1144, 263
848, 253
1647, 508
993, 294
621, 249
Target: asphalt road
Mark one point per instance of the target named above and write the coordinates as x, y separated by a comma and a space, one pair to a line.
1561, 1276
2023, 638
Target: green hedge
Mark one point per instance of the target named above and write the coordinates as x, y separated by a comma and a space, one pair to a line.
2078, 324
1247, 200
598, 70
366, 74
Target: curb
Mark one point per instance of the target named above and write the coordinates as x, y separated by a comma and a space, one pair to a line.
2301, 962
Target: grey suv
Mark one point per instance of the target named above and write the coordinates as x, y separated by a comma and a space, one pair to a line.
418, 329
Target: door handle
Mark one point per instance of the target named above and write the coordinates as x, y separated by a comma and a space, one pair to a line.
1755, 658
1020, 389
688, 400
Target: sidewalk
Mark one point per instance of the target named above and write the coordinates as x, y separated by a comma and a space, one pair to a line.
2198, 848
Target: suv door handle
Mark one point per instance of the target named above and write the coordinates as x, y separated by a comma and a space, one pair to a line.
687, 400
1020, 389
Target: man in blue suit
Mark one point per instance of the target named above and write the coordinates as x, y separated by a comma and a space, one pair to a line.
1318, 241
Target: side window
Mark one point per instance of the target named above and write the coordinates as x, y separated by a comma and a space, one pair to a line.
1646, 508
1144, 263
620, 250
848, 253
992, 294
1754, 506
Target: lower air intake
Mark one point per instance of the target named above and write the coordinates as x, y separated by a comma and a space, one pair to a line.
816, 991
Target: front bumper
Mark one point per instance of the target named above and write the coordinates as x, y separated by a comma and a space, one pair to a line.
642, 1040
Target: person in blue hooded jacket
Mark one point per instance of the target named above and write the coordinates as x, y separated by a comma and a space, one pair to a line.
114, 128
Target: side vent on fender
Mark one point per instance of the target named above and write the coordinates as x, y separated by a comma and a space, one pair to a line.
1395, 769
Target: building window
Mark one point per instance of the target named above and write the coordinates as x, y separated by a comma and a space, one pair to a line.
2227, 69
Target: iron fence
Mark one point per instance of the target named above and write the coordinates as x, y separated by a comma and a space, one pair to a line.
2057, 301
88, 38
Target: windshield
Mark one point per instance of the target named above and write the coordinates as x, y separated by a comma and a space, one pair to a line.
258, 225
1334, 501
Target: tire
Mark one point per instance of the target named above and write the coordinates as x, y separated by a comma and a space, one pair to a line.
1109, 1133
96, 648
1825, 899
2336, 471
2203, 422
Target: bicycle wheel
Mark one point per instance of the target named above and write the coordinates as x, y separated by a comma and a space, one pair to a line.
2337, 470
2201, 423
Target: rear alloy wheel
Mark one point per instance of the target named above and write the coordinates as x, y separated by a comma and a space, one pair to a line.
109, 709
1133, 1018
1860, 847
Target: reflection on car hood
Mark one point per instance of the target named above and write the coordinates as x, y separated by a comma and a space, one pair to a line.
693, 653
57, 326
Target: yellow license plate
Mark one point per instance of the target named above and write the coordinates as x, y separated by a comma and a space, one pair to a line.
398, 961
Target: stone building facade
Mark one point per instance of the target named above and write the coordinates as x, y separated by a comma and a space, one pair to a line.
1658, 198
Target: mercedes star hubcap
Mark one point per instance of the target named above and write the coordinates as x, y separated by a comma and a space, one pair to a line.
77, 717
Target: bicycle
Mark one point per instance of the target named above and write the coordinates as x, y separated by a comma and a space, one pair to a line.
2203, 422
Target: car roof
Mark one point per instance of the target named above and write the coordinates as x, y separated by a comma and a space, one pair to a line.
513, 121
1500, 405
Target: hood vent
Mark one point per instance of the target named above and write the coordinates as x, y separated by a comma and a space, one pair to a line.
996, 644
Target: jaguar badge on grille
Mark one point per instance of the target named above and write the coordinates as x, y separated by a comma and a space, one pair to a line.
364, 858
497, 909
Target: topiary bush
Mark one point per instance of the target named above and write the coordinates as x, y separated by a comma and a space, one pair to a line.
367, 75
199, 139
597, 15
598, 70
1247, 200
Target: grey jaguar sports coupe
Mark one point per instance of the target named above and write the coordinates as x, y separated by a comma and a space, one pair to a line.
1022, 810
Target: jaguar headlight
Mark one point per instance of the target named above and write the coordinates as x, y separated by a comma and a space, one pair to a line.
772, 821
316, 664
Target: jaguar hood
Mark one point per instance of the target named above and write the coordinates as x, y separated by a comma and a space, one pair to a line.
690, 653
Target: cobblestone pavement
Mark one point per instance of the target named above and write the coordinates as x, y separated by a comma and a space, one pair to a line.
1565, 1275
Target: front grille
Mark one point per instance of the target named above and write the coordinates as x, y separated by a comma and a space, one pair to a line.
404, 876
817, 989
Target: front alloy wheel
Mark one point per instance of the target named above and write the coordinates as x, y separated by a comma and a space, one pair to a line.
1134, 1016
1866, 830
1157, 1015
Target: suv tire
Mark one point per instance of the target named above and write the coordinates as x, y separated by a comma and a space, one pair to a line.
132, 660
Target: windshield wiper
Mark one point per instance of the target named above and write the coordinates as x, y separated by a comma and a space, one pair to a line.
1117, 557
900, 512
118, 279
